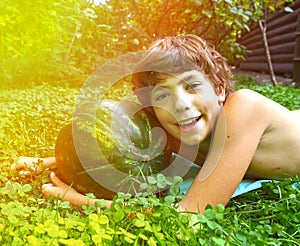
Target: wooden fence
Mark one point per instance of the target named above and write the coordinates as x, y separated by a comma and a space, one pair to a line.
281, 33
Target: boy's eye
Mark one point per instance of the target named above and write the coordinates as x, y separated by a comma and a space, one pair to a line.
161, 96
193, 85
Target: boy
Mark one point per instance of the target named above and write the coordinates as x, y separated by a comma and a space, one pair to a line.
232, 135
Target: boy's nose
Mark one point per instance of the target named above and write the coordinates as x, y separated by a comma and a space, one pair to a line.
181, 104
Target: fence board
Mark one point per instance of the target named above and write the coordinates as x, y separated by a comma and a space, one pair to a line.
281, 33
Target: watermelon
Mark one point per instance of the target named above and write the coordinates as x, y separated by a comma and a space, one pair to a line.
110, 146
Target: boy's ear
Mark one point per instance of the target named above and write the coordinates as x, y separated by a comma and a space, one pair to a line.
221, 90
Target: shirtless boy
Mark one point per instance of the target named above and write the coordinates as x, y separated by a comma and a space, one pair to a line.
235, 134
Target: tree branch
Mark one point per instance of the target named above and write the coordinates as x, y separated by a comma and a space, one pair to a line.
263, 27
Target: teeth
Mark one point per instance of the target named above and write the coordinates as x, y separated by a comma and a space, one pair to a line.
187, 122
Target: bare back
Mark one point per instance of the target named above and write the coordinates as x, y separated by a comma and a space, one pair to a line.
278, 153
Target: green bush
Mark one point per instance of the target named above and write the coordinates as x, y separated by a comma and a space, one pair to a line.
287, 96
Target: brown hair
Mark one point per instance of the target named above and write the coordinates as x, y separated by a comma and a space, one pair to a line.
178, 54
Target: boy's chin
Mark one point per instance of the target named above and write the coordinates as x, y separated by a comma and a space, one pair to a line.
190, 142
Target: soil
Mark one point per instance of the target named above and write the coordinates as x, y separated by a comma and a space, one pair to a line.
262, 77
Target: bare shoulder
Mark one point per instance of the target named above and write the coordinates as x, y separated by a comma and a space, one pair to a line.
249, 97
249, 111
249, 101
246, 104
244, 92
244, 97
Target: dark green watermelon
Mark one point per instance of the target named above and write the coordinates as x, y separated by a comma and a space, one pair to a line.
109, 147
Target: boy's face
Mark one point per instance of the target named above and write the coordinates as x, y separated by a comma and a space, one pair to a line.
187, 105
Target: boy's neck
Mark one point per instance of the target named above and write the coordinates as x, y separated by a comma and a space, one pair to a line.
193, 153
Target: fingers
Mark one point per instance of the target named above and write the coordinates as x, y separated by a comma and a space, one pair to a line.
66, 193
26, 161
28, 166
57, 182
49, 162
56, 188
20, 164
25, 174
48, 190
63, 191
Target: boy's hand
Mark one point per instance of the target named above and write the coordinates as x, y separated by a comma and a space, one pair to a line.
61, 190
65, 192
27, 166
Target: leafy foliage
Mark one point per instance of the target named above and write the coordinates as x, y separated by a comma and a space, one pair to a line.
64, 41
288, 96
30, 120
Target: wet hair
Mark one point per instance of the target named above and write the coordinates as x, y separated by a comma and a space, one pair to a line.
178, 54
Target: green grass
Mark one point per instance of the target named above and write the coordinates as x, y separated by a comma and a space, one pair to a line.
30, 121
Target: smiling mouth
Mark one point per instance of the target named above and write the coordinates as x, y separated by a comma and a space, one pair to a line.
187, 124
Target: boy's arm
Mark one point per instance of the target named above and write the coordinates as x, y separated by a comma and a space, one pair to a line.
238, 131
66, 193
